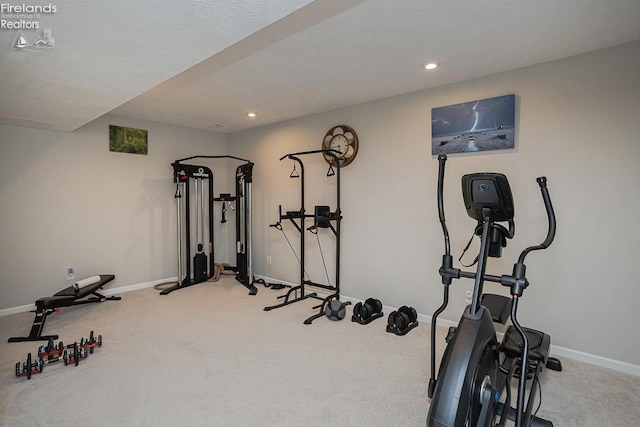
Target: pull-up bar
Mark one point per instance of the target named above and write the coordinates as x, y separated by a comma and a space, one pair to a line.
320, 215
330, 152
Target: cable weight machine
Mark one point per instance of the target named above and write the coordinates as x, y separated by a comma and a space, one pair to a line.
204, 267
322, 218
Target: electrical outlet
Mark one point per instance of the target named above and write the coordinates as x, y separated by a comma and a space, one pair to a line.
467, 297
268, 259
71, 273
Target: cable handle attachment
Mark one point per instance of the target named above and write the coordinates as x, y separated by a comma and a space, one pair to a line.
278, 224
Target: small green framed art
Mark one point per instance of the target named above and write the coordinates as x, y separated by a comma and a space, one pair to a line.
128, 140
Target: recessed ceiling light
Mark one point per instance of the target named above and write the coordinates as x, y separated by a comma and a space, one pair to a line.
430, 66
251, 115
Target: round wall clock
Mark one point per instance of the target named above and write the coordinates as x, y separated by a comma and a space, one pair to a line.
344, 141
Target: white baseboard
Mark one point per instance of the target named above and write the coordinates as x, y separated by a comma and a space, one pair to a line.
20, 309
580, 356
603, 362
106, 292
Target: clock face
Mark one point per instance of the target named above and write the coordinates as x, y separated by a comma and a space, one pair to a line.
342, 141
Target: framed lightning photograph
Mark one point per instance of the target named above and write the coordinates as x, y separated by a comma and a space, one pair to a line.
474, 126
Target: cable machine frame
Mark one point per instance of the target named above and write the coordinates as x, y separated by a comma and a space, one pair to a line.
300, 291
182, 173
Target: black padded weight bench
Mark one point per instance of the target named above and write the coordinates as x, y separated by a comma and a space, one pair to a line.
82, 292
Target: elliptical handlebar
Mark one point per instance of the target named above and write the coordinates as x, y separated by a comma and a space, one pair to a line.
442, 160
551, 218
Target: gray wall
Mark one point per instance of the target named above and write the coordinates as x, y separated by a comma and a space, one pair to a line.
68, 201
578, 125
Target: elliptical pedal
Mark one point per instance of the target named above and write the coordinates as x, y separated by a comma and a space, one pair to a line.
539, 344
554, 364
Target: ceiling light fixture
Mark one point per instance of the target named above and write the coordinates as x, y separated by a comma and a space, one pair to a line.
252, 115
430, 66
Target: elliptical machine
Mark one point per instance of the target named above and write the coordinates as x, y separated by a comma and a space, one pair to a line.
473, 386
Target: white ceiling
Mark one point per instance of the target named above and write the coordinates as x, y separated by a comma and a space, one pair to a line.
205, 64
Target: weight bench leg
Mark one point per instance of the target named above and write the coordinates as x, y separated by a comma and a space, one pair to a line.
98, 297
36, 328
105, 298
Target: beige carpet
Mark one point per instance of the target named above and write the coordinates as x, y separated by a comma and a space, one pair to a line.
209, 355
